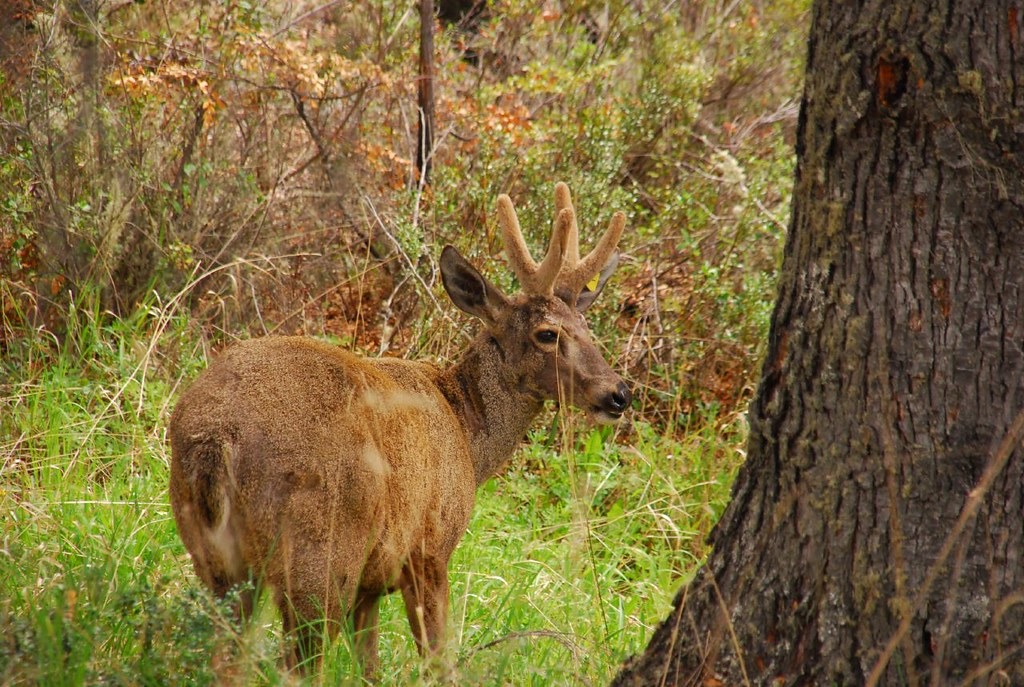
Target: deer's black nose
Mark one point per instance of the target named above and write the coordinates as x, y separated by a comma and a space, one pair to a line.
617, 401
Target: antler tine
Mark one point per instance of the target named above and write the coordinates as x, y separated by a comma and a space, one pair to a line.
512, 236
563, 201
576, 272
572, 279
602, 252
535, 279
557, 253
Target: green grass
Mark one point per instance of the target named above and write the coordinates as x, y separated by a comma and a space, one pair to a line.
263, 219
571, 557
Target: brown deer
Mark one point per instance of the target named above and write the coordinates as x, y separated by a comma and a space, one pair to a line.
335, 479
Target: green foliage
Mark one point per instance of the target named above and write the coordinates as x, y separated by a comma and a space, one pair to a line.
174, 176
267, 150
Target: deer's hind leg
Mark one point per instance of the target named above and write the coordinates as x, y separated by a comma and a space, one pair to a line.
217, 558
424, 585
208, 520
223, 566
364, 620
313, 606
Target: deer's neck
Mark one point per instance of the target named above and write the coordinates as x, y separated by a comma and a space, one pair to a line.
483, 389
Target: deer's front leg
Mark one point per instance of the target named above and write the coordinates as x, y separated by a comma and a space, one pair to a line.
425, 592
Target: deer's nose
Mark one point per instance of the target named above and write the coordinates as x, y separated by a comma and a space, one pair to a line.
617, 401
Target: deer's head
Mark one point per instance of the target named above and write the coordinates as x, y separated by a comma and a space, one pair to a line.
544, 342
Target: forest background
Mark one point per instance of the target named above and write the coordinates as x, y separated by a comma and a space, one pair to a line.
175, 176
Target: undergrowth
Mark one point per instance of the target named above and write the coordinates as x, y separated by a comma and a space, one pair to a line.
175, 176
571, 554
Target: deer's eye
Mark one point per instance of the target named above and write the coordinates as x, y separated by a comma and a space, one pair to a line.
546, 336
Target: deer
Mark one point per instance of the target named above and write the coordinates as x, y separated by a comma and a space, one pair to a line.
332, 479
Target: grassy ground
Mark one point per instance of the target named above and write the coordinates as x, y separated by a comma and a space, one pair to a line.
177, 175
571, 555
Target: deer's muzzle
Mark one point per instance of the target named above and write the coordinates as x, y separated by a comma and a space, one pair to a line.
613, 404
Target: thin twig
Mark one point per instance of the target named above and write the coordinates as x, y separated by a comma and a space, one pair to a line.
732, 631
1011, 440
408, 261
304, 16
560, 637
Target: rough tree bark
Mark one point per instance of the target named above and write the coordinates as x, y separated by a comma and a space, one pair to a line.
851, 552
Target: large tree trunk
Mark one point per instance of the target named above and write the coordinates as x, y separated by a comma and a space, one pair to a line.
852, 552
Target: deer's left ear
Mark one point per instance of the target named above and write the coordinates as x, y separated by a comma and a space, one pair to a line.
468, 289
588, 295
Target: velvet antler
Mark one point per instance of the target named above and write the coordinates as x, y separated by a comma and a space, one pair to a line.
561, 270
575, 273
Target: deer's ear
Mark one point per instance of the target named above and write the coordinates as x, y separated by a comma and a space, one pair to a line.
469, 289
588, 295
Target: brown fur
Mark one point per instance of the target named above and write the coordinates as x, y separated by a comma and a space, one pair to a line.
335, 479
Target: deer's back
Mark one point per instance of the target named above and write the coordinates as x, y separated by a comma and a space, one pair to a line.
326, 456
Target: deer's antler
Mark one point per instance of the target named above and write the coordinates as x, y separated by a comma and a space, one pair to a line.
576, 273
561, 268
534, 279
